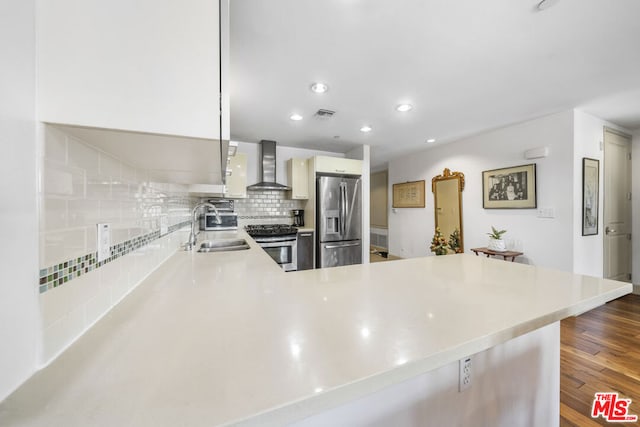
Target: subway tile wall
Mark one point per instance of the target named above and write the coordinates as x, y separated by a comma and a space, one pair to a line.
266, 207
81, 186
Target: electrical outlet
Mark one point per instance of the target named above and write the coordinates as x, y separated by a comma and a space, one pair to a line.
104, 241
465, 374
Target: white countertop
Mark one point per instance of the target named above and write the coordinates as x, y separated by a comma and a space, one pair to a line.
211, 339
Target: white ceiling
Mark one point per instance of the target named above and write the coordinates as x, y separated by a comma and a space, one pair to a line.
466, 66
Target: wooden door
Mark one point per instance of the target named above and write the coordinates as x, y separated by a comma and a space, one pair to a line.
617, 206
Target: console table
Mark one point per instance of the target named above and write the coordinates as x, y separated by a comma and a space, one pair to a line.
503, 254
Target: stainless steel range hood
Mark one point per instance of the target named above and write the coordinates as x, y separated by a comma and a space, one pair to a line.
268, 167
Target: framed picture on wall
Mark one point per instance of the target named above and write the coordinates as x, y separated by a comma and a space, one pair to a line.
590, 195
509, 188
408, 195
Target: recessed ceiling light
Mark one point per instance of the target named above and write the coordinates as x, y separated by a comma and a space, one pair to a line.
295, 117
403, 108
431, 140
366, 128
319, 87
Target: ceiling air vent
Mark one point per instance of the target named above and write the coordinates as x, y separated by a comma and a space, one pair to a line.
324, 114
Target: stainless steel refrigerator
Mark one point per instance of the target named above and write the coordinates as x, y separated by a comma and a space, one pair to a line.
339, 221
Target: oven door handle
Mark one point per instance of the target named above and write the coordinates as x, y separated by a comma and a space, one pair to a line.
272, 244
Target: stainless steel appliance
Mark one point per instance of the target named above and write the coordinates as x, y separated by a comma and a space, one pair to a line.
298, 217
223, 205
279, 241
228, 221
339, 220
268, 168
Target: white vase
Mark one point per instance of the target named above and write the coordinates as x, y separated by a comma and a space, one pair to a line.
497, 245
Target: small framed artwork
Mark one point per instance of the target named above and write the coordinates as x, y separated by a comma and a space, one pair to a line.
509, 188
590, 196
408, 195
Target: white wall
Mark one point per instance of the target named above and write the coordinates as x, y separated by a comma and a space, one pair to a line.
19, 317
145, 66
587, 250
364, 153
546, 242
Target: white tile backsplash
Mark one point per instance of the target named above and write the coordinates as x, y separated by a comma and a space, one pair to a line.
83, 212
59, 246
62, 333
110, 212
129, 174
82, 186
266, 207
97, 306
56, 147
55, 214
60, 180
98, 188
83, 156
110, 167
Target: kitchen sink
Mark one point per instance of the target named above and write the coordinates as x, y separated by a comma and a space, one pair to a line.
223, 245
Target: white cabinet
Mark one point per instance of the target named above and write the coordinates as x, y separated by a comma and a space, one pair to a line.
298, 173
339, 165
143, 66
236, 187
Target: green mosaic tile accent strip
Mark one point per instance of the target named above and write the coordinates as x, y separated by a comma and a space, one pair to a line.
59, 274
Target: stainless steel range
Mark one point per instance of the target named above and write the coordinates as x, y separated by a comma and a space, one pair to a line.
279, 241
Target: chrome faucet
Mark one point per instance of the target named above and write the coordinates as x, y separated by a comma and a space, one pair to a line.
194, 218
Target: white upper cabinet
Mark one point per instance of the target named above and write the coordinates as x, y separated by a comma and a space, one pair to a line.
236, 187
338, 165
143, 66
298, 174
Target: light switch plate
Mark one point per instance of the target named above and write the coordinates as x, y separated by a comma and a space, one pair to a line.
104, 241
546, 213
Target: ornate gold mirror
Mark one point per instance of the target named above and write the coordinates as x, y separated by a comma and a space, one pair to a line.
447, 194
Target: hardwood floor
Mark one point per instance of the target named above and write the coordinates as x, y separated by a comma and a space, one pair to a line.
600, 352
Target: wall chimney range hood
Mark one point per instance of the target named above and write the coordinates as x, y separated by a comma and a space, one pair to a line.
268, 168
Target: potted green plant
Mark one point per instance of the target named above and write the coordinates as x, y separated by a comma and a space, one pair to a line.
454, 241
495, 240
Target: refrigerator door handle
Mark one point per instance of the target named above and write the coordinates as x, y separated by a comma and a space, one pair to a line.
340, 210
347, 215
346, 245
343, 201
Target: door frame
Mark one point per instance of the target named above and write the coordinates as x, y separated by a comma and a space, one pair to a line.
604, 195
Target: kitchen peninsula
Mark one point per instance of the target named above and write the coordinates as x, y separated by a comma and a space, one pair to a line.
229, 338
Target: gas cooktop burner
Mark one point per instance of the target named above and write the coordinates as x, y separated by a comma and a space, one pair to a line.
270, 230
